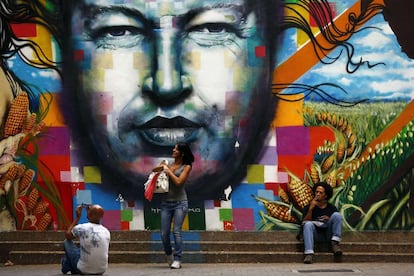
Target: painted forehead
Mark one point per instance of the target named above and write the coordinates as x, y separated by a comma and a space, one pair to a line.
154, 8
165, 14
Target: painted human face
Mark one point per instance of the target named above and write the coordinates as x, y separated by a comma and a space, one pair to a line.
155, 73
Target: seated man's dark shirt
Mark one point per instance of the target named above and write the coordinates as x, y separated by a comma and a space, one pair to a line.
318, 212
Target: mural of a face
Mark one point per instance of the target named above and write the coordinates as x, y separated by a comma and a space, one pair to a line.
151, 74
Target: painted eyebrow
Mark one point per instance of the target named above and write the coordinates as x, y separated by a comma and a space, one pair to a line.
92, 11
187, 17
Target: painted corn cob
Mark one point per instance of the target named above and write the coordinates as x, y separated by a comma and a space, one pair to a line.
300, 192
278, 210
17, 116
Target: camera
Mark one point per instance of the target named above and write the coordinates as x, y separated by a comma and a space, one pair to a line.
86, 205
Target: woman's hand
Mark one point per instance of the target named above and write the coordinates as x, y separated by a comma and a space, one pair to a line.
161, 166
158, 168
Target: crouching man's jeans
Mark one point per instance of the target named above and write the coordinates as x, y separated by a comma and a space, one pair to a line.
71, 258
330, 230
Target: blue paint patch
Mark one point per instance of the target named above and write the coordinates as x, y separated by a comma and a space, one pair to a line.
266, 194
99, 196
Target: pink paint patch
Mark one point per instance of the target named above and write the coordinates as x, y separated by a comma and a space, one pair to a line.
243, 219
55, 141
105, 102
293, 140
112, 219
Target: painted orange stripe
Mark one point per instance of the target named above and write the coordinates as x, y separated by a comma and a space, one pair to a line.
393, 129
386, 135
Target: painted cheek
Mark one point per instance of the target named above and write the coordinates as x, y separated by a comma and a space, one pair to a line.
215, 72
119, 74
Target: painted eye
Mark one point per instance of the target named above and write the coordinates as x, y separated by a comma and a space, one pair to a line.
214, 28
116, 32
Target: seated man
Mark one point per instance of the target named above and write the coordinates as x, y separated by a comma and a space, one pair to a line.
321, 221
92, 255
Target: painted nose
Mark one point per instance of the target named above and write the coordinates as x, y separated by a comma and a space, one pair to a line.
167, 81
167, 76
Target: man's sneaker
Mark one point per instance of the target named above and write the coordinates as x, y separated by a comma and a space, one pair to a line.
336, 249
176, 265
308, 259
170, 259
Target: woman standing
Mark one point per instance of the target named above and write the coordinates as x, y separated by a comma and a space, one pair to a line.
174, 205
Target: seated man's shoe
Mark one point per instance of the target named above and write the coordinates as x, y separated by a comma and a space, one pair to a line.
308, 259
336, 249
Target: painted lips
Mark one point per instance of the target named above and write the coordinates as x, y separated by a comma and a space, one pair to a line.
169, 131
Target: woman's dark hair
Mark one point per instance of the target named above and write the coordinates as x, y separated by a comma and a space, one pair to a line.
326, 186
185, 150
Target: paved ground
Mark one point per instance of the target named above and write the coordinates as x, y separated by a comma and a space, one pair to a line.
262, 269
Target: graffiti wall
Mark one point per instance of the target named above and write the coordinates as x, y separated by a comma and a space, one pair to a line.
272, 96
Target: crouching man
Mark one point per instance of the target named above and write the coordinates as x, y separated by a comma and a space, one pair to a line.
91, 257
321, 222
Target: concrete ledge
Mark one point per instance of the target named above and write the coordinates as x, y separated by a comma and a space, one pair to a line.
214, 247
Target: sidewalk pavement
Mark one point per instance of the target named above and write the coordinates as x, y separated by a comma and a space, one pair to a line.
239, 269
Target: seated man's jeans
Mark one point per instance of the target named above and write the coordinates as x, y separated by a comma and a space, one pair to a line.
330, 230
71, 258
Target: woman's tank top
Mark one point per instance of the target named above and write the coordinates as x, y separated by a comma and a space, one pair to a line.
176, 193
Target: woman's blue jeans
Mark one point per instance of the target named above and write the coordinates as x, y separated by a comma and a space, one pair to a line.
173, 212
331, 230
71, 258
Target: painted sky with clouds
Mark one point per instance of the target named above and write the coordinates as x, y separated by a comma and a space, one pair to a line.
388, 82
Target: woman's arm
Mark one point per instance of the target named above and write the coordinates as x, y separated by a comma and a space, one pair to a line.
183, 176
